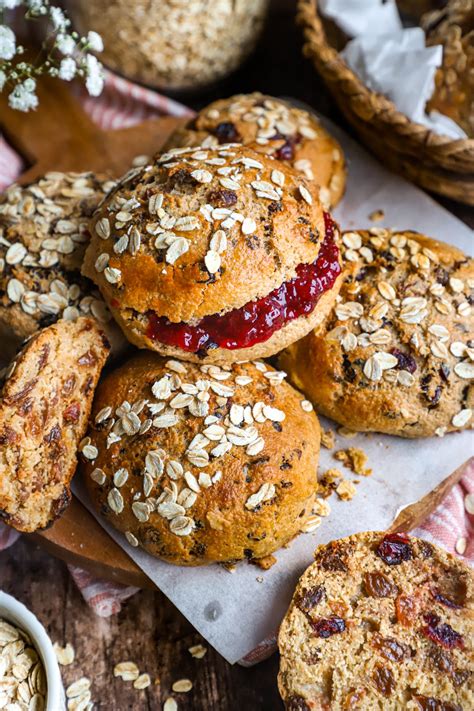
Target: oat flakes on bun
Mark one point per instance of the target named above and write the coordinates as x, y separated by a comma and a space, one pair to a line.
215, 254
200, 463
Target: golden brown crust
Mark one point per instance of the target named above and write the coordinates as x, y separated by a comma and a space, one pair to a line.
164, 244
267, 125
395, 355
253, 257
44, 230
364, 634
244, 488
44, 408
289, 333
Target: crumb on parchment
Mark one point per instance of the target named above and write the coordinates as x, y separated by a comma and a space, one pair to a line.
354, 459
328, 439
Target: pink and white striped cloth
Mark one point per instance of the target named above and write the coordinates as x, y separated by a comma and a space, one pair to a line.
124, 104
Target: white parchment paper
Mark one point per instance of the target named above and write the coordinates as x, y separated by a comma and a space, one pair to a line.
235, 611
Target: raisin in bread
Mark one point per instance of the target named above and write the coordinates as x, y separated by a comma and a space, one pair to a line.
395, 354
380, 621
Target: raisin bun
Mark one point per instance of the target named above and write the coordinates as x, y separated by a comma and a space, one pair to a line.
214, 255
198, 464
44, 230
380, 621
396, 353
45, 404
275, 128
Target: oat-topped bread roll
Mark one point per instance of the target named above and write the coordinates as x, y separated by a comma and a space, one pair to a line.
199, 464
44, 408
216, 254
275, 128
380, 621
396, 353
43, 234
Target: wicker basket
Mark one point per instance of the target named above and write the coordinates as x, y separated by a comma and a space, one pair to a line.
435, 162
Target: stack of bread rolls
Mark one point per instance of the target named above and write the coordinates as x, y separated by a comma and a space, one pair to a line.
218, 253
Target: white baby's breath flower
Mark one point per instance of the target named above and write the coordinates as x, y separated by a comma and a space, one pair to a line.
95, 78
58, 18
75, 59
94, 41
23, 97
7, 43
67, 69
9, 4
37, 7
65, 44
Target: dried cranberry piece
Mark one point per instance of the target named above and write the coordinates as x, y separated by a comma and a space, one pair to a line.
383, 680
394, 548
459, 677
222, 198
326, 627
444, 372
286, 151
54, 435
389, 648
434, 399
226, 132
180, 179
72, 412
313, 658
446, 601
441, 660
405, 360
352, 699
428, 703
426, 549
442, 634
378, 585
332, 557
68, 385
310, 598
442, 276
296, 703
406, 610
87, 358
44, 355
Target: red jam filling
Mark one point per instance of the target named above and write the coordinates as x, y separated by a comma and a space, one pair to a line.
258, 320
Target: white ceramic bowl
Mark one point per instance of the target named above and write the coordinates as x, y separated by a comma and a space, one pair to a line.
17, 614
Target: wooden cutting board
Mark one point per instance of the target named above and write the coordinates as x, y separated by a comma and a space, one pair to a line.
60, 136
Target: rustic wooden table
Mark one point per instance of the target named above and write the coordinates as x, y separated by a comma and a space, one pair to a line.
149, 630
